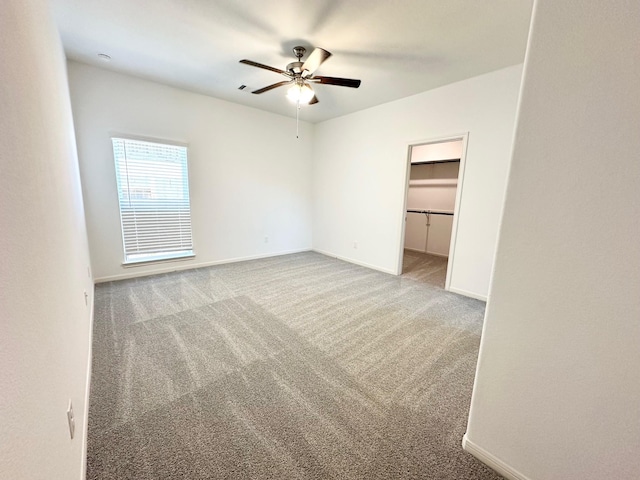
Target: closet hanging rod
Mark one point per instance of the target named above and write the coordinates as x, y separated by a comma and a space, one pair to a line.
427, 162
429, 212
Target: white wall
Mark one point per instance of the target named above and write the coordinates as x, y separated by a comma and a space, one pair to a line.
557, 392
44, 321
360, 169
249, 175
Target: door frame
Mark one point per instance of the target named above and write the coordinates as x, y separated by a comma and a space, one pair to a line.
454, 228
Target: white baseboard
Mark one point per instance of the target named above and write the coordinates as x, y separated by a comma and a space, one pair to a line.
177, 267
427, 253
491, 461
356, 262
87, 390
468, 294
436, 254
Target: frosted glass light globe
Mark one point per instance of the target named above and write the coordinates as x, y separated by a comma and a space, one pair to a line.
302, 93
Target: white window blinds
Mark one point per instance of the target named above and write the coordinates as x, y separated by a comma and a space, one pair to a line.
153, 191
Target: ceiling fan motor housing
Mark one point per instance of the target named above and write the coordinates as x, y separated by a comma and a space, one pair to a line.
295, 67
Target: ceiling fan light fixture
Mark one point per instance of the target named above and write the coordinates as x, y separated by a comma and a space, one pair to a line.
301, 74
300, 92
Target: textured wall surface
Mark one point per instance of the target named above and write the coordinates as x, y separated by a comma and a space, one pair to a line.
44, 320
557, 391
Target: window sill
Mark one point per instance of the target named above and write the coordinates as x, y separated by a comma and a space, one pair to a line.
150, 261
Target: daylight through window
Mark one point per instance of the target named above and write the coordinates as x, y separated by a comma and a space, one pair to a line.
153, 191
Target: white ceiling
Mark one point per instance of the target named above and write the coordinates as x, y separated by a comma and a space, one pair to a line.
396, 47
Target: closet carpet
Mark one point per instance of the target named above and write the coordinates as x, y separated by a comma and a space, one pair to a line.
291, 367
424, 267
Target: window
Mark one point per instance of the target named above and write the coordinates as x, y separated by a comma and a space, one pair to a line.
153, 192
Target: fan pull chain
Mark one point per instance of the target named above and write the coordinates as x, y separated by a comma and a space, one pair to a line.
297, 118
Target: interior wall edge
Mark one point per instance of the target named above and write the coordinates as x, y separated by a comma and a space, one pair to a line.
45, 279
556, 390
87, 388
492, 461
467, 293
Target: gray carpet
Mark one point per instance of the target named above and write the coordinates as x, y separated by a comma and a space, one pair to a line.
425, 268
292, 367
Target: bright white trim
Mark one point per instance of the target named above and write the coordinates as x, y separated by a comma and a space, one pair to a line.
87, 389
456, 209
356, 262
190, 266
158, 259
403, 221
445, 139
141, 138
492, 461
460, 183
460, 291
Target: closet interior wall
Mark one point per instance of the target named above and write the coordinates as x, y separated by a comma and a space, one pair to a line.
432, 187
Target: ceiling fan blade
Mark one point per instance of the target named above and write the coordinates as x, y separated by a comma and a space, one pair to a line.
342, 82
317, 58
266, 67
314, 100
271, 87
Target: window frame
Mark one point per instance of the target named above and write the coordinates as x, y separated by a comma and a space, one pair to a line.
162, 257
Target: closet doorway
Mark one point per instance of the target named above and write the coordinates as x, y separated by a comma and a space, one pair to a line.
432, 196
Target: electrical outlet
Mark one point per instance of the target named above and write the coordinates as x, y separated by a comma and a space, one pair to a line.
355, 245
266, 239
71, 420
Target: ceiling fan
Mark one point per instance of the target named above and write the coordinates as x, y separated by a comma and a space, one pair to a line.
300, 76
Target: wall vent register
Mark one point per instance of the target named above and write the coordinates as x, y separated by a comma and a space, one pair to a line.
153, 193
